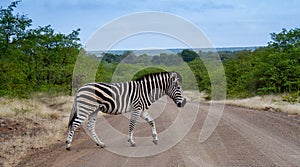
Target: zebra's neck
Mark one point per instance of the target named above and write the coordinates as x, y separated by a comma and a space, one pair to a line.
154, 86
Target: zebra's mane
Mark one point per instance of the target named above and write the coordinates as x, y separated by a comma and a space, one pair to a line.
141, 78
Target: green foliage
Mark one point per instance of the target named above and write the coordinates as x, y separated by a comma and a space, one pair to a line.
280, 63
34, 59
292, 97
145, 71
285, 40
239, 75
109, 57
39, 59
188, 55
85, 69
201, 75
166, 59
271, 69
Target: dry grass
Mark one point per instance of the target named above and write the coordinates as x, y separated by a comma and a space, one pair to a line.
31, 124
269, 102
194, 96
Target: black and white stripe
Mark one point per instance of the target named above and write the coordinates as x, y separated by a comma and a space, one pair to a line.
118, 98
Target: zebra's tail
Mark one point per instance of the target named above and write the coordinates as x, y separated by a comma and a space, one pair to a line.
73, 114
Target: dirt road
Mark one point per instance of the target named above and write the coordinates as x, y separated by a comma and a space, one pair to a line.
243, 137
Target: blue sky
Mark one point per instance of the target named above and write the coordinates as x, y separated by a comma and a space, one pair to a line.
227, 23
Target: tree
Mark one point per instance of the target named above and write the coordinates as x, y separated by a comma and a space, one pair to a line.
188, 55
240, 78
285, 40
271, 69
128, 57
49, 54
281, 65
201, 75
34, 59
143, 59
12, 27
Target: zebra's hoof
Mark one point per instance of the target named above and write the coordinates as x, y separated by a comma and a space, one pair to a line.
132, 143
155, 141
101, 145
68, 148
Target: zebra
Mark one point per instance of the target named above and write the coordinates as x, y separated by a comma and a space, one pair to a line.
118, 98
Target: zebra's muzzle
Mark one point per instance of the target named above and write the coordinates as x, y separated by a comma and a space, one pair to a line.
181, 104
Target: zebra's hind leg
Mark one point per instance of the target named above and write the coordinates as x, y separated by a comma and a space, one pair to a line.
70, 138
91, 127
151, 122
134, 116
74, 124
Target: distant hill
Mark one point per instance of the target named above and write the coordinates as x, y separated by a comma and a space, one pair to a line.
174, 51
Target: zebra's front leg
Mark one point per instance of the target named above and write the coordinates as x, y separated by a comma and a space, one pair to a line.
151, 122
134, 116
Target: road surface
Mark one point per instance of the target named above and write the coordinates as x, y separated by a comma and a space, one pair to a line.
243, 137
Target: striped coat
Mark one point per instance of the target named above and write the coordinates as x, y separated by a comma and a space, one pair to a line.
118, 98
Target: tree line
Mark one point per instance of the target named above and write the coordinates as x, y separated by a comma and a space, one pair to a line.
34, 59
271, 69
39, 59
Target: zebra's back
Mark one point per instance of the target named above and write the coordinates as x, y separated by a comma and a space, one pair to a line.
115, 98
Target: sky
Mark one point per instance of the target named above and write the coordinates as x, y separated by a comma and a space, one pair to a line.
226, 23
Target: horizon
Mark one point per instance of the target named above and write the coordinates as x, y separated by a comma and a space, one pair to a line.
151, 52
229, 47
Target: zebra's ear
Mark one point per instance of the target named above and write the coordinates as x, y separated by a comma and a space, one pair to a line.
174, 77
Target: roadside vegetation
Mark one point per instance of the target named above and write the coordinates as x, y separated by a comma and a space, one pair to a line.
36, 77
31, 124
41, 60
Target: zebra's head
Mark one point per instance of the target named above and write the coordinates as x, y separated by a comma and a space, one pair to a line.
174, 89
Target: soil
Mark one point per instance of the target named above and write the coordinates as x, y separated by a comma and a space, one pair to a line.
243, 137
21, 127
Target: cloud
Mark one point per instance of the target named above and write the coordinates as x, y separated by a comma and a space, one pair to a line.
182, 5
208, 6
